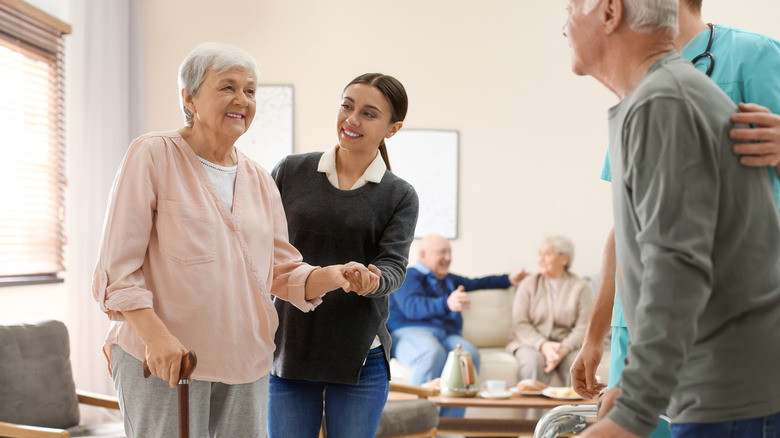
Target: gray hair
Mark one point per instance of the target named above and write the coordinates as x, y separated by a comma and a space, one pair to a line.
561, 245
210, 56
646, 16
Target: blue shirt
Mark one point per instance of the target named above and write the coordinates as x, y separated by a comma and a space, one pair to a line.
422, 299
747, 69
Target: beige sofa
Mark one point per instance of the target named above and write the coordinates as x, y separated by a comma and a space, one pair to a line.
487, 325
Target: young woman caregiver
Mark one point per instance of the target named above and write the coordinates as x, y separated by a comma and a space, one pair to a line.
343, 204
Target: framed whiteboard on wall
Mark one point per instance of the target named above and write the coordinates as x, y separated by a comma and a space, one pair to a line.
270, 136
428, 160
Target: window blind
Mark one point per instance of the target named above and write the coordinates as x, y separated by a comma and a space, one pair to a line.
32, 138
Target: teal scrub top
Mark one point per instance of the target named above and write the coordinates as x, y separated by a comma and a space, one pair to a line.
747, 69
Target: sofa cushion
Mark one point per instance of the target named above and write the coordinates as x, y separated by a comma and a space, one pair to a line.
497, 364
36, 383
406, 416
489, 320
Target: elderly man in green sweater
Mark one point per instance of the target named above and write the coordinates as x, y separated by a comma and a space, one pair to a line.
696, 234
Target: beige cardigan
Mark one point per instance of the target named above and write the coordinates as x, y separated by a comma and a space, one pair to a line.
536, 318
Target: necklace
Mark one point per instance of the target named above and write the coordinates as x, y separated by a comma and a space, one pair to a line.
226, 169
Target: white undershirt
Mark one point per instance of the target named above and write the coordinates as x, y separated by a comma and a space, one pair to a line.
223, 178
555, 286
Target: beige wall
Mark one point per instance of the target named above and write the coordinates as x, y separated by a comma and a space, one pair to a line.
524, 170
532, 135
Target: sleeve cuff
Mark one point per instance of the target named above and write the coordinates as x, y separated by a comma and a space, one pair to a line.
122, 300
99, 285
114, 303
296, 289
445, 308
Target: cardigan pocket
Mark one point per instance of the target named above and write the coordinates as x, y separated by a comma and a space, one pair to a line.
187, 233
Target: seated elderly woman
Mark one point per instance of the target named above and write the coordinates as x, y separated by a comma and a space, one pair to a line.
549, 315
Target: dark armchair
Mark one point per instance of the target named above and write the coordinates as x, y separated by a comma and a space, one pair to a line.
38, 397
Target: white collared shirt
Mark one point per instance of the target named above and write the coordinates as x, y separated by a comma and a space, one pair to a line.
374, 172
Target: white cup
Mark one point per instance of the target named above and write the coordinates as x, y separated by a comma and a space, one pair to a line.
495, 386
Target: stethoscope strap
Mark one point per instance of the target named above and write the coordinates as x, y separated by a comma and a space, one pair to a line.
707, 53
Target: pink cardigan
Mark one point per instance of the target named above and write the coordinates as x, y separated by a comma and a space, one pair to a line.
170, 243
537, 318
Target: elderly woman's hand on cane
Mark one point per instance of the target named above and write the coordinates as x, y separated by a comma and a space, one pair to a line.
188, 362
163, 350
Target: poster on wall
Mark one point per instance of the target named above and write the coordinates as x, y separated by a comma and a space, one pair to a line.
428, 160
270, 136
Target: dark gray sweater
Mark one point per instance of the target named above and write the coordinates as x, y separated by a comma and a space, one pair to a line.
372, 224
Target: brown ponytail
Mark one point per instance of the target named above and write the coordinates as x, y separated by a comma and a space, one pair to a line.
383, 152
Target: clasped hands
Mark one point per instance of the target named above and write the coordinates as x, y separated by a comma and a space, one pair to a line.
356, 277
553, 353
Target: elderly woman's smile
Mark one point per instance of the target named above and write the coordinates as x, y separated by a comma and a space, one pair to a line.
235, 116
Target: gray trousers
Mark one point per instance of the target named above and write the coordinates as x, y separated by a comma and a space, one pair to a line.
531, 366
150, 410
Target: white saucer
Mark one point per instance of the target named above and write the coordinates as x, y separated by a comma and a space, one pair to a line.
495, 395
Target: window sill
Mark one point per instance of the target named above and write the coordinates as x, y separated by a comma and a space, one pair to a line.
30, 280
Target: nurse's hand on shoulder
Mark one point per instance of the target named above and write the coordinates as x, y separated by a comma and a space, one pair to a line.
759, 146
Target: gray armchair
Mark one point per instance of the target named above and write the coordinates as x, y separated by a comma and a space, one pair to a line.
409, 418
38, 398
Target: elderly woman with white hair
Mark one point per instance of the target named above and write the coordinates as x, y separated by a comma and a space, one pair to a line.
194, 244
550, 313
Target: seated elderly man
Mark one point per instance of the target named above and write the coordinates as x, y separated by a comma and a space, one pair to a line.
549, 315
695, 236
425, 319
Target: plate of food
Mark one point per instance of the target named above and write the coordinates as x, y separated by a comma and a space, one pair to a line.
528, 387
561, 393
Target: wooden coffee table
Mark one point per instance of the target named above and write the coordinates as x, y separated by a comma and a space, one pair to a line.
495, 427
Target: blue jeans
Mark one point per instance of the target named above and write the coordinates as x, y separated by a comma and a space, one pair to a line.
424, 350
295, 407
762, 427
